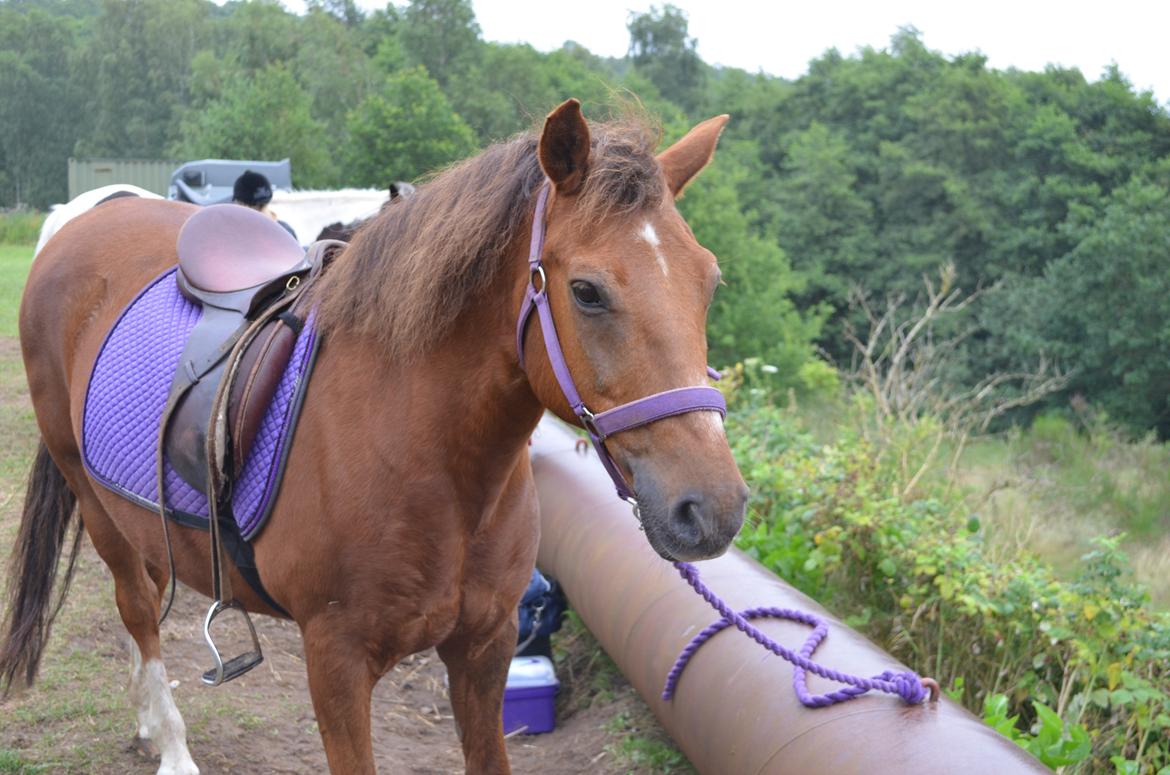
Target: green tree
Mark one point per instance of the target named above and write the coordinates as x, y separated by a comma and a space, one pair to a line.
753, 314
661, 48
257, 34
39, 101
823, 221
332, 67
442, 36
344, 11
136, 71
404, 129
1103, 310
265, 117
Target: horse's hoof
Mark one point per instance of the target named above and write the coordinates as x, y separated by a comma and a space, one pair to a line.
182, 768
143, 747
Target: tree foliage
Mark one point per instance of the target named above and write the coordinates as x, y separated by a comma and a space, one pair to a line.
265, 116
403, 130
662, 49
35, 133
442, 36
871, 170
1103, 309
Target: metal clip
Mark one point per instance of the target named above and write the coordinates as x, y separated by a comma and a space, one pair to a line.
590, 424
538, 271
637, 512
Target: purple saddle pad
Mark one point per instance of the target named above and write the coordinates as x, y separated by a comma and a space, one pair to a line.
128, 390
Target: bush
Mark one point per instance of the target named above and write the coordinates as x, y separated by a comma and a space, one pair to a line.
912, 573
20, 227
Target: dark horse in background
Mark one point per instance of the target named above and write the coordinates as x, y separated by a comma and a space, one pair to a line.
408, 516
345, 231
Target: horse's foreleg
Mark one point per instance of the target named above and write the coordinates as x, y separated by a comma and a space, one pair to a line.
341, 683
138, 596
478, 671
159, 719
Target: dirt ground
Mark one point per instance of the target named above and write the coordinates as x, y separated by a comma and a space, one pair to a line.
78, 719
263, 722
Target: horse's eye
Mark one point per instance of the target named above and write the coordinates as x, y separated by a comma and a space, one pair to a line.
587, 295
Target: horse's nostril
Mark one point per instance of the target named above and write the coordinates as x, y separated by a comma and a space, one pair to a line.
686, 517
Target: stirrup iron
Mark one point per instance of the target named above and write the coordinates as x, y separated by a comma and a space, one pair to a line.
236, 666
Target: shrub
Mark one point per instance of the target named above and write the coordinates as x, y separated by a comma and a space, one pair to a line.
20, 227
910, 570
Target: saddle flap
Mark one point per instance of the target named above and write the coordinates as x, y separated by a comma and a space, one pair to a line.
261, 368
224, 248
262, 365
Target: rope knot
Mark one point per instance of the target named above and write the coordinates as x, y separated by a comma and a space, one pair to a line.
909, 687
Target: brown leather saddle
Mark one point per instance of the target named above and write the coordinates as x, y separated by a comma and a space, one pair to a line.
237, 263
248, 275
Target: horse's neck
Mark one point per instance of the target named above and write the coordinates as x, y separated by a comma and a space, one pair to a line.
464, 410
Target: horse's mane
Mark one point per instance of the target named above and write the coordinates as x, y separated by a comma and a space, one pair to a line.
412, 270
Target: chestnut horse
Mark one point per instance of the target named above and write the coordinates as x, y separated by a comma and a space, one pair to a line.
408, 515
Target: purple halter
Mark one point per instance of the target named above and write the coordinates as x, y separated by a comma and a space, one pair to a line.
668, 403
600, 426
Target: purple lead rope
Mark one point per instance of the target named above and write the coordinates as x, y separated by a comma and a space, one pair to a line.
906, 685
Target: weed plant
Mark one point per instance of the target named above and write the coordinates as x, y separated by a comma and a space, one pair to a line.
20, 227
1076, 670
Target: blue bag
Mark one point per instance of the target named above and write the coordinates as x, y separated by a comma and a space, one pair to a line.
541, 610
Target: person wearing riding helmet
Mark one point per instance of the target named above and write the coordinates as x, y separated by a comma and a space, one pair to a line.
253, 190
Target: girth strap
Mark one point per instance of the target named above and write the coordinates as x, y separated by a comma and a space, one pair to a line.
600, 426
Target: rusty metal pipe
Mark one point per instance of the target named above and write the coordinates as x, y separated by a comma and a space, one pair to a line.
734, 711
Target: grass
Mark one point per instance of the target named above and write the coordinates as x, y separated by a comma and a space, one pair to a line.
20, 227
15, 261
645, 751
589, 676
1053, 488
12, 763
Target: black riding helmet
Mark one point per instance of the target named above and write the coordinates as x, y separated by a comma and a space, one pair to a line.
252, 189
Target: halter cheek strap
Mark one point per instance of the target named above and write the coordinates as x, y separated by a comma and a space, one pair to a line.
634, 414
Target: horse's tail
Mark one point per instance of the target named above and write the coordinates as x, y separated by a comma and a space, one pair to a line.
29, 611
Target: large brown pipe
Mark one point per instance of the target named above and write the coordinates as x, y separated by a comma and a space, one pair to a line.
734, 710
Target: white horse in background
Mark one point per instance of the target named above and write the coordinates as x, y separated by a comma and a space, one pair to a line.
59, 215
307, 212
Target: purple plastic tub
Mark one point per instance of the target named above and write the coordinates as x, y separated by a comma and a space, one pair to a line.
530, 696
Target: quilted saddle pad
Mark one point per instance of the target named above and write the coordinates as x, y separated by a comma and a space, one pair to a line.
127, 392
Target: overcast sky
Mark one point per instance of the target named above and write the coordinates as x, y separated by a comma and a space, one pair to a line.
781, 36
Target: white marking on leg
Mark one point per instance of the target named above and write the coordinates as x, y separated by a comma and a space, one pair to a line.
651, 236
137, 691
159, 717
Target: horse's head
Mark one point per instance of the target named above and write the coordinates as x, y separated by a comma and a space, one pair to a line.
628, 287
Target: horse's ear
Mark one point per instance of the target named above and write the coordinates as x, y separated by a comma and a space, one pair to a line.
686, 158
564, 147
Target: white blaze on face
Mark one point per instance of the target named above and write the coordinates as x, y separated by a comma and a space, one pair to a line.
711, 422
651, 237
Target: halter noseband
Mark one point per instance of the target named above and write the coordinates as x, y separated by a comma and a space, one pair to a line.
621, 418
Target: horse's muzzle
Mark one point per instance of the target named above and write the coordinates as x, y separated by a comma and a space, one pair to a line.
695, 525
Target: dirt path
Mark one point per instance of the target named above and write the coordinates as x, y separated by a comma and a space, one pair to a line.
262, 722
